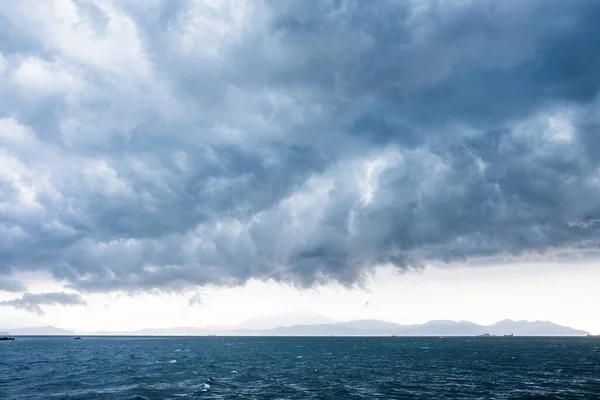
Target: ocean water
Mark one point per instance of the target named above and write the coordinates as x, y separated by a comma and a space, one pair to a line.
299, 368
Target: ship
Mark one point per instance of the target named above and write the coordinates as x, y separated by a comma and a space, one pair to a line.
7, 338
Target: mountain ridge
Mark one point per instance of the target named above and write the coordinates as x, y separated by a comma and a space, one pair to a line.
364, 327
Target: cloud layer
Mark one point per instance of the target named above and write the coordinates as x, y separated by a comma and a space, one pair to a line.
11, 285
153, 145
32, 301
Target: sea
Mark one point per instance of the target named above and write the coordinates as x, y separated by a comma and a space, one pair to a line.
299, 368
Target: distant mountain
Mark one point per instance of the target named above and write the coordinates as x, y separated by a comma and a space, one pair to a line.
367, 324
282, 319
40, 331
349, 328
432, 328
175, 331
317, 330
536, 328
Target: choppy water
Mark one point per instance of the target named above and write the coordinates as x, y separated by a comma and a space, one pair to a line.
300, 368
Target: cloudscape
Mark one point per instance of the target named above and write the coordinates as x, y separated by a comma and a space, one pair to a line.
158, 146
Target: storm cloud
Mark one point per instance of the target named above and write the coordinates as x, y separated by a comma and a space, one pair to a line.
161, 145
31, 302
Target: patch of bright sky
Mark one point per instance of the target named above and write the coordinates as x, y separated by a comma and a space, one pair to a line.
567, 296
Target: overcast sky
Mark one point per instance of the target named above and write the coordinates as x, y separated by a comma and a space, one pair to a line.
174, 163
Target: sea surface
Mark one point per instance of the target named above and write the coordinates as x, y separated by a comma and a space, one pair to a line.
299, 368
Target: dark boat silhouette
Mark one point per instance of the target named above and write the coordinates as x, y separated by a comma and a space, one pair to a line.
7, 338
77, 338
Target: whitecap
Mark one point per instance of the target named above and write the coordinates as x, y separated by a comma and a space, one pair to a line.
172, 361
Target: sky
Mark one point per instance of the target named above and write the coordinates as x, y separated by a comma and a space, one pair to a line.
195, 162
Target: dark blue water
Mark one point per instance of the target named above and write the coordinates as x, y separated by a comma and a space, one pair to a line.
300, 368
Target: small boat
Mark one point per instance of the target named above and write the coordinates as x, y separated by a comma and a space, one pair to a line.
7, 338
77, 338
511, 335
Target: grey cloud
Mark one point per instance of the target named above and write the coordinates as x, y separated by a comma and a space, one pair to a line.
11, 285
305, 142
32, 302
196, 300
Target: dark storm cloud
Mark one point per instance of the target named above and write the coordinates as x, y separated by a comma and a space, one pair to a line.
31, 302
165, 145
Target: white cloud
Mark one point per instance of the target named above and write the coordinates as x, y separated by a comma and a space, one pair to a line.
39, 77
2, 64
206, 28
96, 34
13, 133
